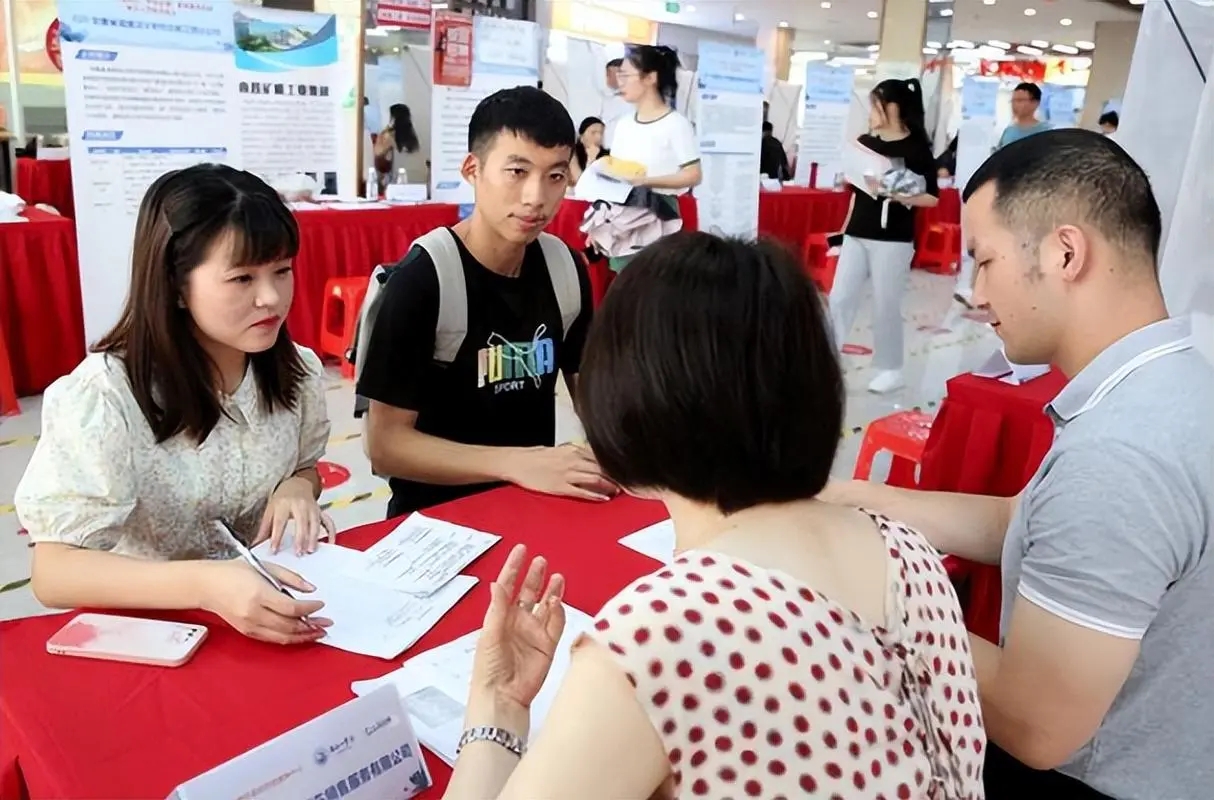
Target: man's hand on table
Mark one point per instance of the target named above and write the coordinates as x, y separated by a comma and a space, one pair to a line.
249, 603
568, 470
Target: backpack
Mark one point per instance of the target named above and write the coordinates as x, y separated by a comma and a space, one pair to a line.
452, 325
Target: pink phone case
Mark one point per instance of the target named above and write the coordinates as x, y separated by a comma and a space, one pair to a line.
130, 639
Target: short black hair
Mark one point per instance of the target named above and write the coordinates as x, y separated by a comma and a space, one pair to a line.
1073, 176
1031, 89
710, 372
615, 62
768, 127
525, 111
1110, 118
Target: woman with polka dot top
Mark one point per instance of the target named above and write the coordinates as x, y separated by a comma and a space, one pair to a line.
793, 648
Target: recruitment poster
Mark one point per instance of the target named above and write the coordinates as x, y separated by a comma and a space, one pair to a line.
729, 123
505, 54
157, 86
828, 96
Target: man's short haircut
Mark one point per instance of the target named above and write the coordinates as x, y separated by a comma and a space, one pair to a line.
1109, 118
768, 127
1076, 177
1031, 89
615, 62
525, 111
710, 372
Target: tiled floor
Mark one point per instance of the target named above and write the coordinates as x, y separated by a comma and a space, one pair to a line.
940, 343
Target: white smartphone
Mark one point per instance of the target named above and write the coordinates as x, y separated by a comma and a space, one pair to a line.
131, 639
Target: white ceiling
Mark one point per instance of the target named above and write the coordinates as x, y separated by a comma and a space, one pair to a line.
849, 21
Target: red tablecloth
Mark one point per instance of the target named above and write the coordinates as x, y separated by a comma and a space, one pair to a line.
987, 438
792, 213
47, 182
40, 299
339, 244
71, 728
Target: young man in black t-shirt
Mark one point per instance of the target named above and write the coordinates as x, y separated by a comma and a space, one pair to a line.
443, 429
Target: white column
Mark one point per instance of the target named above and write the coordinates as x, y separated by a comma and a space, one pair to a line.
903, 27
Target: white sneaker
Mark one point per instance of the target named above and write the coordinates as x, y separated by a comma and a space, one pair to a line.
889, 380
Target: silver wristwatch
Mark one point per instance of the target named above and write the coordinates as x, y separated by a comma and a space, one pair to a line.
488, 733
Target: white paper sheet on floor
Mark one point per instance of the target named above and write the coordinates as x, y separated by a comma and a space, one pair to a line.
434, 686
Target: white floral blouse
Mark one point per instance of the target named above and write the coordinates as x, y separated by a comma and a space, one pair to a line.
98, 479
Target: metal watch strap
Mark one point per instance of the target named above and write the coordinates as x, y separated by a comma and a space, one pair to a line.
488, 733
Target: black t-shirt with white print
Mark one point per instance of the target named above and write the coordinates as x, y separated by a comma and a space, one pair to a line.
899, 221
501, 388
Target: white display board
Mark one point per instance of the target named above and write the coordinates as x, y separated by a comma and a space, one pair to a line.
975, 141
505, 54
157, 87
729, 124
1162, 93
828, 103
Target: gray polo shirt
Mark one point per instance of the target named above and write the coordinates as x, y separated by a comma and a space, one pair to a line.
1115, 532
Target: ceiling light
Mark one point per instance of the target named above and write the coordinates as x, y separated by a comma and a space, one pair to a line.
1039, 43
989, 2
873, 15
1029, 12
946, 12
1028, 51
826, 4
1082, 45
1064, 22
739, 17
960, 43
783, 24
997, 43
826, 41
874, 48
1137, 2
1066, 48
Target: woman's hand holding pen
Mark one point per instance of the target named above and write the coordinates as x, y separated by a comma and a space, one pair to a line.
249, 603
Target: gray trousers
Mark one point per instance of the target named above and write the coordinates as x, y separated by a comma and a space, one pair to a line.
888, 264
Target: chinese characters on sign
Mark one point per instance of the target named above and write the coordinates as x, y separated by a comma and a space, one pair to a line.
452, 49
409, 14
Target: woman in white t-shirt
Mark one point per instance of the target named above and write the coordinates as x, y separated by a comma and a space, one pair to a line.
660, 139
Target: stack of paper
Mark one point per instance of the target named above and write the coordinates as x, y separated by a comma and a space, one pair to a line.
434, 686
656, 541
384, 600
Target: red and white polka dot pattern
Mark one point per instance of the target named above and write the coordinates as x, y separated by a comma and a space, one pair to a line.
760, 687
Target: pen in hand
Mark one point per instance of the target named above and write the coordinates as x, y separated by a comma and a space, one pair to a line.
253, 561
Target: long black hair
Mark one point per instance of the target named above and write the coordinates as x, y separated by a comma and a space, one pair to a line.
579, 149
907, 95
402, 128
661, 60
182, 217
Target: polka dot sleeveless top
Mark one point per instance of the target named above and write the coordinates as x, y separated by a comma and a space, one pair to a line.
761, 687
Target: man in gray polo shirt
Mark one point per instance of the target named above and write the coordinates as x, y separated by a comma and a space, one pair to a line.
1100, 683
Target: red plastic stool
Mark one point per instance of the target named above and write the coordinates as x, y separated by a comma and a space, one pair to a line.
903, 434
941, 251
817, 262
339, 318
8, 390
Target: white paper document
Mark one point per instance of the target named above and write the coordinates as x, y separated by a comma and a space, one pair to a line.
367, 618
434, 686
998, 366
859, 163
656, 541
422, 554
364, 749
595, 184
